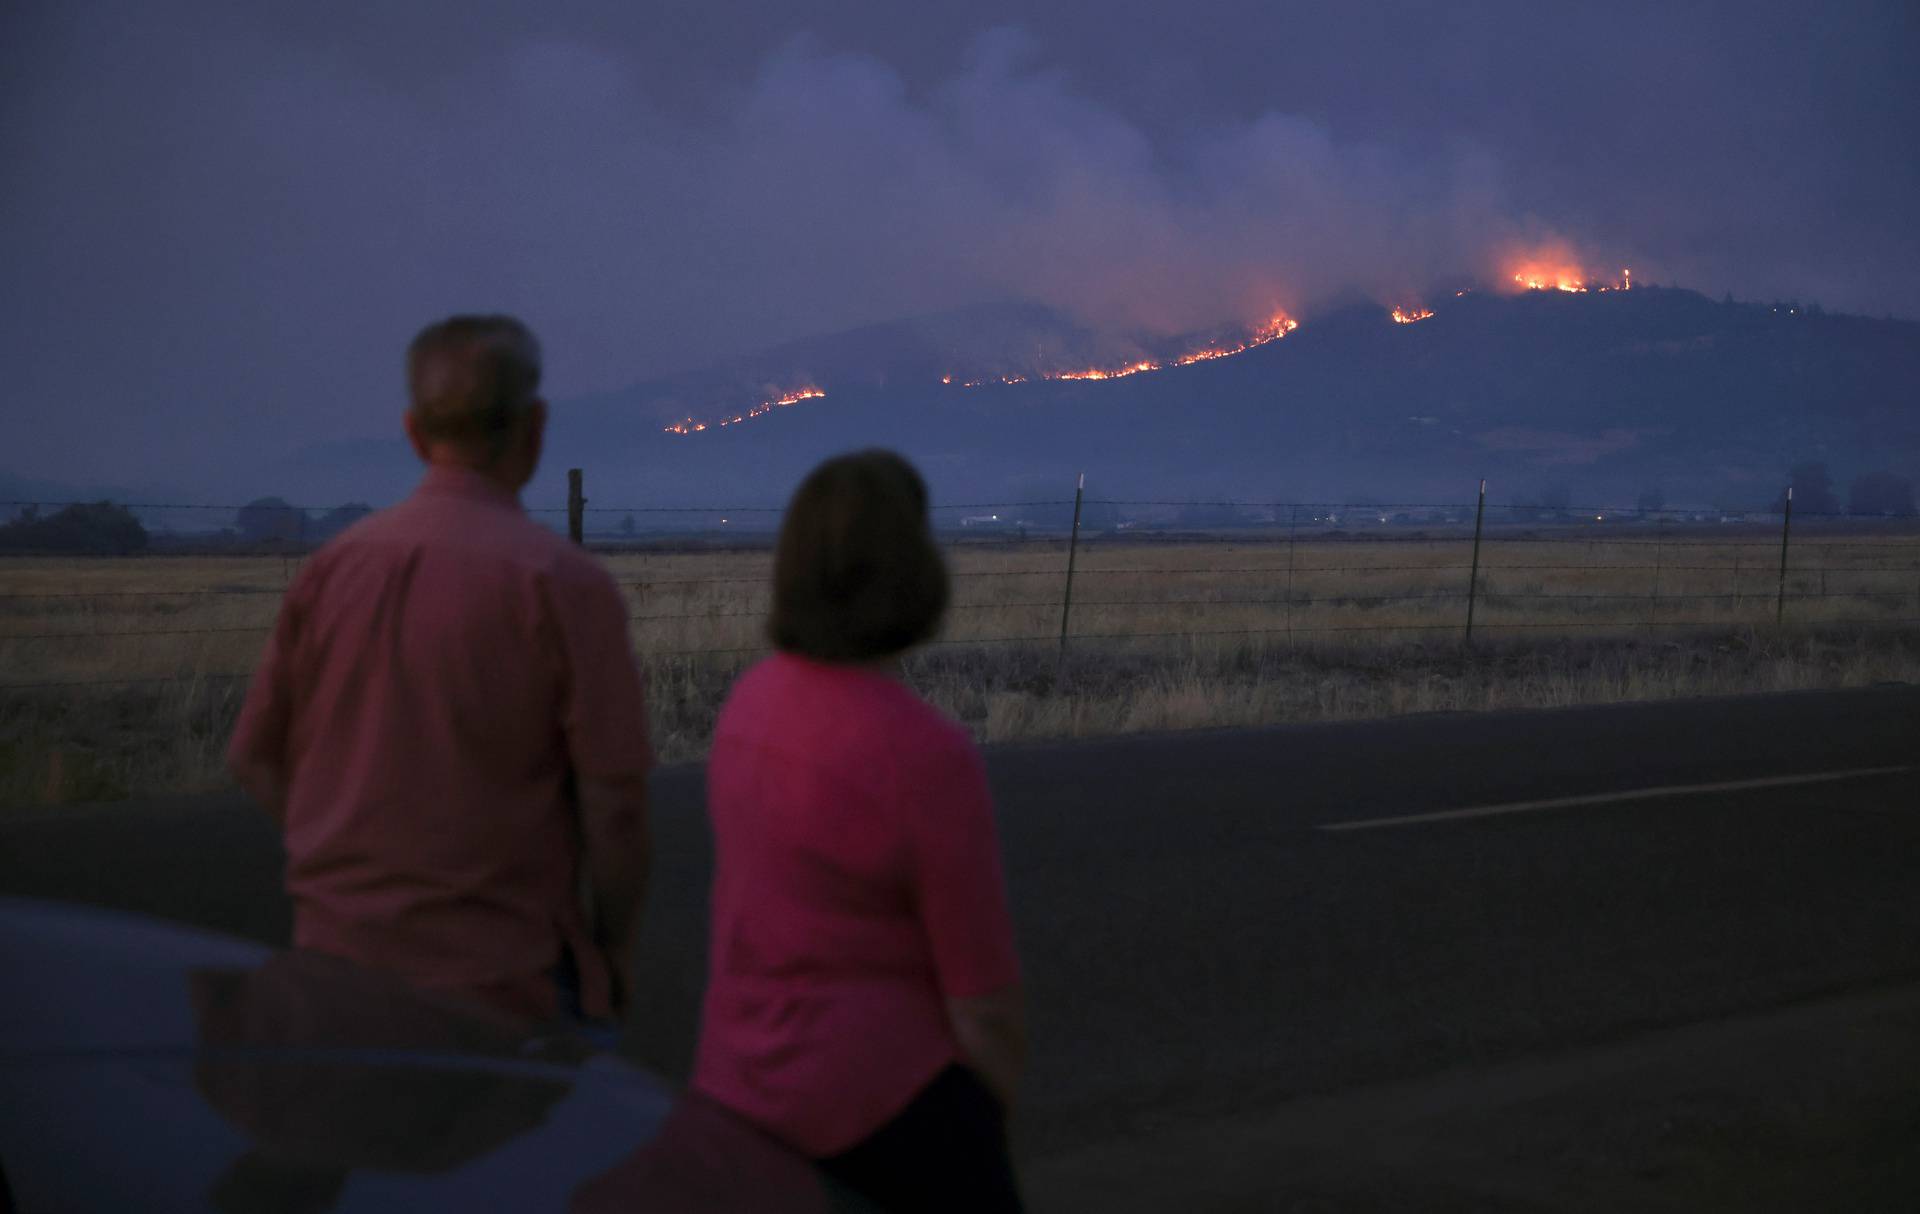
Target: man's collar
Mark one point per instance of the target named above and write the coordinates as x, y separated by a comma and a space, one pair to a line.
452, 480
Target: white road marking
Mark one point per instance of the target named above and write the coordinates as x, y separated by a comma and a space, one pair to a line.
1606, 798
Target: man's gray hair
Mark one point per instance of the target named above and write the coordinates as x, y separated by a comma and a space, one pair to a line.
470, 379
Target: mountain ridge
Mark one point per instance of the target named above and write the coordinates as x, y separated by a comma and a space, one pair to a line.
1604, 394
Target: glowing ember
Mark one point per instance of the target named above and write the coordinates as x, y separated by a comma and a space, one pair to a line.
690, 426
1403, 317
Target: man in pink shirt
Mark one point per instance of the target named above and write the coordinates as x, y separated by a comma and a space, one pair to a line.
448, 721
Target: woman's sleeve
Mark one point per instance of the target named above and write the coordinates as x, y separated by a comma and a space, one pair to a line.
961, 888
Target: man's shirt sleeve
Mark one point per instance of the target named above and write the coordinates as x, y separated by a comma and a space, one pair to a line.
604, 708
260, 734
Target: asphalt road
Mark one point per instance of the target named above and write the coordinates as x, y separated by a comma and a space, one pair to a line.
1217, 925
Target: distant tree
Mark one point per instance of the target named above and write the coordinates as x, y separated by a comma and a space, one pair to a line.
95, 527
270, 520
1812, 490
1881, 493
336, 520
628, 526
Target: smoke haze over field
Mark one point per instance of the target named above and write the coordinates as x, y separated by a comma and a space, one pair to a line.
221, 227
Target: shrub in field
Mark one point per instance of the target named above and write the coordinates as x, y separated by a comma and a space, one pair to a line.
91, 528
270, 520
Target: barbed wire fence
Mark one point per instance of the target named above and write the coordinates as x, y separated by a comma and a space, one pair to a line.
1050, 575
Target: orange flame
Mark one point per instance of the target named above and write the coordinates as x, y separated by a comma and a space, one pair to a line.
1569, 281
1097, 373
690, 426
1273, 330
1556, 267
1549, 280
1403, 317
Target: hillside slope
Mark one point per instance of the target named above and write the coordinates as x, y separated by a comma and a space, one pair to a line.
1604, 395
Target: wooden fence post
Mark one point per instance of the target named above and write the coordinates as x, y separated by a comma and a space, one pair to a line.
576, 507
1473, 578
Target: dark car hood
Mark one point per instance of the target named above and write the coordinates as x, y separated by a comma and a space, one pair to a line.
146, 1066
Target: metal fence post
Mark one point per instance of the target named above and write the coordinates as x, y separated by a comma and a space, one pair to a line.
1473, 578
1659, 541
576, 507
1786, 535
1073, 545
1292, 525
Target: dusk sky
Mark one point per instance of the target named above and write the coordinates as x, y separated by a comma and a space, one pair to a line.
221, 222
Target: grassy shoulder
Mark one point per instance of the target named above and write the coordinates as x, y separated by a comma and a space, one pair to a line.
63, 745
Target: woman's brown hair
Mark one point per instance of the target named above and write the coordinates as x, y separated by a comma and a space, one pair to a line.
857, 575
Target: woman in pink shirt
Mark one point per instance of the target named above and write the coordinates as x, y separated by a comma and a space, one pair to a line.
863, 993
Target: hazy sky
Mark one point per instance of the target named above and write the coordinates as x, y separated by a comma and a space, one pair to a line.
220, 223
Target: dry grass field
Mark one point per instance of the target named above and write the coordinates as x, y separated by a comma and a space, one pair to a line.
122, 676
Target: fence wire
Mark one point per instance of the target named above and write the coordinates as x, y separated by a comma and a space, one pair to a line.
1575, 569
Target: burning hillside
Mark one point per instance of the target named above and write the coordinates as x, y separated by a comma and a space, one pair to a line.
1559, 273
1537, 388
691, 426
1205, 351
1273, 330
1549, 268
